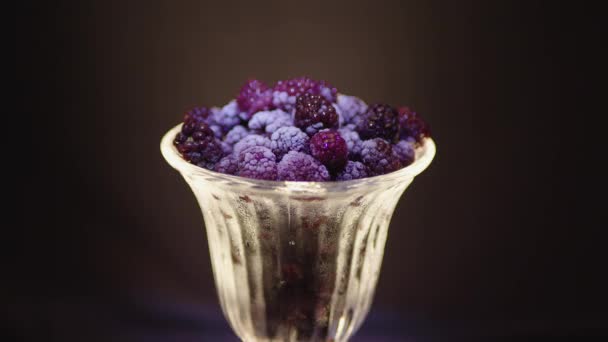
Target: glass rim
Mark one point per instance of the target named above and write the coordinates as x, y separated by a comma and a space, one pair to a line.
424, 155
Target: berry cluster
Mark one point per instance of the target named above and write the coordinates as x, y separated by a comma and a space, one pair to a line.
300, 130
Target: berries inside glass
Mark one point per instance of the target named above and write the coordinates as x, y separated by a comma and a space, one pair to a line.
300, 130
297, 260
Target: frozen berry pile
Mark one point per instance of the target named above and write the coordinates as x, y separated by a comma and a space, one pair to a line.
300, 130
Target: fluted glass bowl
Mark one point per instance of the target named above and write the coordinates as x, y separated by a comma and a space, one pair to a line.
295, 261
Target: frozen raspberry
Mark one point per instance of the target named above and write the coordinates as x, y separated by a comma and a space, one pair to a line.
412, 125
298, 166
377, 155
300, 130
226, 148
404, 151
257, 162
235, 134
228, 165
350, 126
350, 106
269, 121
379, 121
210, 120
326, 90
249, 141
353, 170
283, 121
330, 149
254, 97
314, 113
287, 139
228, 116
217, 131
353, 141
285, 92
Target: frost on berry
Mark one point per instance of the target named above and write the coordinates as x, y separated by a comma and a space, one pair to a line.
257, 162
287, 139
298, 166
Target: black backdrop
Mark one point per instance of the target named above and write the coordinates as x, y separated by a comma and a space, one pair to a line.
496, 234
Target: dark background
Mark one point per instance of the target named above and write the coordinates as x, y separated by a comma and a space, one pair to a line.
499, 237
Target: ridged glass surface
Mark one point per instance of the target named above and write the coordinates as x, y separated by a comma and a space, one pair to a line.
296, 261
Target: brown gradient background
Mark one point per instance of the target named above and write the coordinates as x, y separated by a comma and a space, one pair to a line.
495, 233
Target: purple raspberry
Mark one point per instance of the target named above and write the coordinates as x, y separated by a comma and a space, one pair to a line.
330, 149
285, 92
249, 141
228, 165
235, 134
379, 121
257, 162
228, 116
254, 97
404, 151
269, 121
298, 166
287, 139
377, 155
350, 106
353, 170
314, 113
412, 125
353, 141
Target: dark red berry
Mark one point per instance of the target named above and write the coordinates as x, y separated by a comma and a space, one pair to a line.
330, 149
412, 125
180, 138
286, 92
186, 146
210, 150
188, 127
197, 114
377, 154
314, 113
197, 143
405, 152
379, 121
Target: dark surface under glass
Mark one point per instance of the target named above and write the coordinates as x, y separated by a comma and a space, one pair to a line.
86, 319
